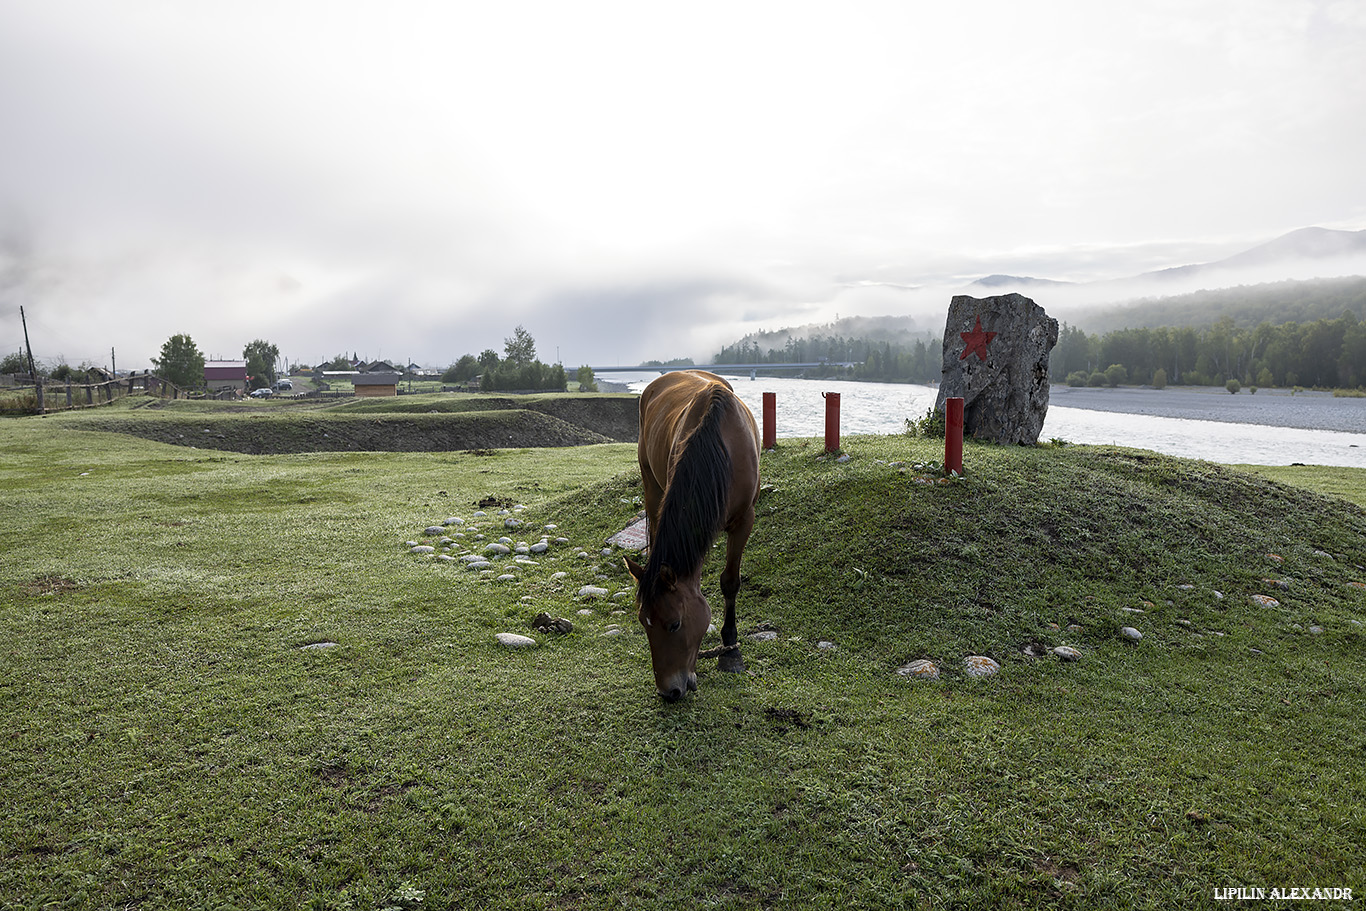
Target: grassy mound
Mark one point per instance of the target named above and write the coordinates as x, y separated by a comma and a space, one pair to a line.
170, 741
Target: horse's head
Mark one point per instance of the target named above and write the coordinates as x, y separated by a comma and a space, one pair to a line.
675, 615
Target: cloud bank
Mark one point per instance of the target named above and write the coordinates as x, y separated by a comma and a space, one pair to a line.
412, 180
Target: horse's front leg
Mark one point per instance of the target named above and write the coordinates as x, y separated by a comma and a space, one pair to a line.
736, 537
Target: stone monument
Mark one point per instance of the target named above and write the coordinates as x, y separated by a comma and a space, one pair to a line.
996, 359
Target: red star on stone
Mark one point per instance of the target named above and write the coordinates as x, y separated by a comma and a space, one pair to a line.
976, 341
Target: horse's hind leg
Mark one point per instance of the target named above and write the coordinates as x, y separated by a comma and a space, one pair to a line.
736, 538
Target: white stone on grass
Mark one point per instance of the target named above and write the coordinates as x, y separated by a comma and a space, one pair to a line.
513, 640
764, 635
423, 549
1128, 632
476, 565
1067, 653
980, 666
454, 520
920, 669
434, 530
1265, 601
592, 591
539, 548
501, 550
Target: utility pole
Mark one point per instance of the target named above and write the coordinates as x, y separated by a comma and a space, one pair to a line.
31, 368
113, 365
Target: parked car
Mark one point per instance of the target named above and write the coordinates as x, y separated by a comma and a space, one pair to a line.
264, 392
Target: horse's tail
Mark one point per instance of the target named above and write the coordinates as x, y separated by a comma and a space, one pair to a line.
694, 505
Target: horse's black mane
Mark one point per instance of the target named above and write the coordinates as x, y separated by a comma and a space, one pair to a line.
695, 502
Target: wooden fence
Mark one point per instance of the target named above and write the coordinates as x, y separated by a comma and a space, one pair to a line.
44, 397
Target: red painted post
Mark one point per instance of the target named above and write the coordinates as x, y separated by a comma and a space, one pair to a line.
953, 434
770, 420
832, 421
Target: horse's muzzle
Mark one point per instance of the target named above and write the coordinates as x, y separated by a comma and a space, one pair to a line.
678, 688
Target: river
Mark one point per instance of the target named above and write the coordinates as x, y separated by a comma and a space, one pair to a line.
1272, 427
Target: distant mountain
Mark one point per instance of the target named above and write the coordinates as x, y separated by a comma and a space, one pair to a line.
1016, 281
1304, 244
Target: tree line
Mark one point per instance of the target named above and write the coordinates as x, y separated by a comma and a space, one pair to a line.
1329, 353
875, 359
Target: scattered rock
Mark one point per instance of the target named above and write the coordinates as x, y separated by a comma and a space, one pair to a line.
501, 550
1128, 632
826, 645
1067, 653
434, 530
764, 635
317, 645
920, 669
513, 640
474, 565
592, 591
980, 666
1265, 601
539, 548
422, 549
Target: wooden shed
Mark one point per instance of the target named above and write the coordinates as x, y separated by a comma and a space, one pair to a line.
376, 384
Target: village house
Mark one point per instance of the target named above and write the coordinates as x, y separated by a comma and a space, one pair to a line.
221, 376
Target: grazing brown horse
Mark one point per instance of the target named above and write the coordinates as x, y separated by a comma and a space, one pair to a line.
699, 462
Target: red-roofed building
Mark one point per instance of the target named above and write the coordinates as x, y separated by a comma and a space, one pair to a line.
221, 375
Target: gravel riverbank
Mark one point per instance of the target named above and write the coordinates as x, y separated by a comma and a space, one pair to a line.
1269, 407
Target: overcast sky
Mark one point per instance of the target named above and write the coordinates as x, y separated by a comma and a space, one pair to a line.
634, 180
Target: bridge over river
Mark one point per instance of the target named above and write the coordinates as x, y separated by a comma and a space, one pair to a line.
725, 369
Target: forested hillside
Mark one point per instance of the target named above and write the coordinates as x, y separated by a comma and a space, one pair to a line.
1248, 305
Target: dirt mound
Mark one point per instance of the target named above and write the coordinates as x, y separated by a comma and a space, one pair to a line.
321, 432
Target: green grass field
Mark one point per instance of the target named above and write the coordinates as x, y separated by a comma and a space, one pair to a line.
170, 740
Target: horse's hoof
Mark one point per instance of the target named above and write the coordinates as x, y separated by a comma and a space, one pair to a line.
731, 663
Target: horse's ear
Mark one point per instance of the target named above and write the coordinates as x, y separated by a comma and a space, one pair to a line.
635, 569
667, 577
